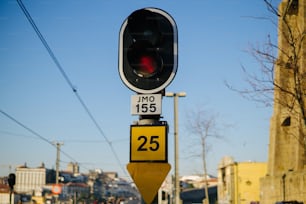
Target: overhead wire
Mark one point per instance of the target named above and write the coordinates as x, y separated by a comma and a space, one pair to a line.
3, 132
62, 71
35, 133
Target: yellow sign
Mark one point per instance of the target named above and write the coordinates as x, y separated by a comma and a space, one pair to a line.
148, 143
148, 177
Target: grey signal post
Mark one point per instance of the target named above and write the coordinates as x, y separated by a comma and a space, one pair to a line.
176, 144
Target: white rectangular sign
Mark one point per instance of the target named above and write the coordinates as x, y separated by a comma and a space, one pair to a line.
146, 104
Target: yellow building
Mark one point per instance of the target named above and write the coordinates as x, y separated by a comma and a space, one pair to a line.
38, 199
238, 182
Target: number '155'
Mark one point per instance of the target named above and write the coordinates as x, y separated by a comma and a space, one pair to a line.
144, 108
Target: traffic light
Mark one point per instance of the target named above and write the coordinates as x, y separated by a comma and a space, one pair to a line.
148, 50
12, 180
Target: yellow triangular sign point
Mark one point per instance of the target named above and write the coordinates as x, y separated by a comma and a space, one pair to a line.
148, 177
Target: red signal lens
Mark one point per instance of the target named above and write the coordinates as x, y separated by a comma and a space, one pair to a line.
144, 60
147, 66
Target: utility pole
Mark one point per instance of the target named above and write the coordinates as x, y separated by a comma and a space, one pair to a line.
176, 146
57, 163
58, 150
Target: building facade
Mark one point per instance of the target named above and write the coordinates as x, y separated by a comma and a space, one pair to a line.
30, 180
286, 175
239, 182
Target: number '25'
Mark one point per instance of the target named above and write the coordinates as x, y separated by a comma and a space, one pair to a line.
146, 145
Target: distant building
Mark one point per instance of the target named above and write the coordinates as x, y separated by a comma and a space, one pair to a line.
71, 190
238, 182
193, 189
111, 175
165, 191
73, 168
198, 181
31, 180
197, 195
5, 194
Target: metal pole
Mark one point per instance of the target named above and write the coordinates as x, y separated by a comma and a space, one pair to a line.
11, 190
176, 146
176, 151
58, 149
57, 163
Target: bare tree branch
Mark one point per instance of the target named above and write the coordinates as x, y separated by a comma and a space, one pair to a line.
203, 125
284, 59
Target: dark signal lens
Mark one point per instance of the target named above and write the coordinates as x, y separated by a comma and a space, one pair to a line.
144, 25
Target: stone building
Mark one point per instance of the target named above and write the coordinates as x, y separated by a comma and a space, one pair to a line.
286, 175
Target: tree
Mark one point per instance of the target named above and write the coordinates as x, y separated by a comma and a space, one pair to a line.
203, 125
286, 59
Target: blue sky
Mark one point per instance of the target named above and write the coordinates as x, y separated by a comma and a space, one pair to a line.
213, 39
